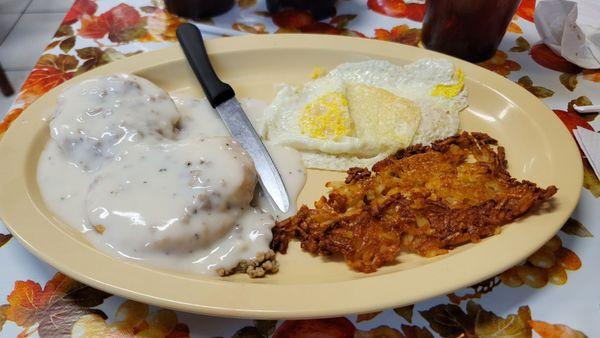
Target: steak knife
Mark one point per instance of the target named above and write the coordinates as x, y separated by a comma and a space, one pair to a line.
222, 97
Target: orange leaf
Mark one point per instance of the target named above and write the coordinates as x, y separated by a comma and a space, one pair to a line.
383, 34
398, 9
25, 302
547, 330
401, 33
567, 259
93, 27
80, 8
55, 308
163, 25
42, 80
500, 64
513, 27
10, 116
394, 8
526, 9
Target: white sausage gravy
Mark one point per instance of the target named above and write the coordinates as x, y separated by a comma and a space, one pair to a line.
157, 179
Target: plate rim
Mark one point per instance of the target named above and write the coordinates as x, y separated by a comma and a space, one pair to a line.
339, 303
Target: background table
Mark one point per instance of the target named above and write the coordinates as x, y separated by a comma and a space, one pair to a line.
553, 295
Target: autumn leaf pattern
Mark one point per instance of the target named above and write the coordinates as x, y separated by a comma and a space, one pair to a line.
476, 290
78, 10
50, 71
246, 3
568, 80
298, 21
260, 329
398, 9
501, 64
446, 320
385, 331
575, 228
401, 34
545, 57
526, 9
590, 180
450, 320
538, 91
592, 75
380, 331
257, 28
416, 332
405, 312
4, 238
120, 24
513, 27
3, 309
64, 38
132, 319
9, 118
546, 330
572, 119
522, 45
366, 316
160, 24
339, 327
92, 57
549, 264
91, 36
52, 310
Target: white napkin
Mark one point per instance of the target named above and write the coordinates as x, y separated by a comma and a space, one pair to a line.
571, 29
589, 142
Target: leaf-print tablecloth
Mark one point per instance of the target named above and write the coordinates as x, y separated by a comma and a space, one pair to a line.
554, 293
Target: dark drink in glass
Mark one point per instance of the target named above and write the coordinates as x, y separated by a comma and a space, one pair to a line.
320, 9
198, 9
468, 29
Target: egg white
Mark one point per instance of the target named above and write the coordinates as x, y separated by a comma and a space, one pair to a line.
439, 116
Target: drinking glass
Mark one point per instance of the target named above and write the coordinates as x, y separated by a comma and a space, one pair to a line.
468, 29
198, 9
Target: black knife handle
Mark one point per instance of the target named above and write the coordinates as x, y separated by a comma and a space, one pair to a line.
191, 42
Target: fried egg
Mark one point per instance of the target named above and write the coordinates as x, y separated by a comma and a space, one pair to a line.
359, 113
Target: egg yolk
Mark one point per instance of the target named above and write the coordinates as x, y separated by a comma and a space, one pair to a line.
327, 117
450, 90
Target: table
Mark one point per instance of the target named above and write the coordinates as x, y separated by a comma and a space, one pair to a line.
554, 293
